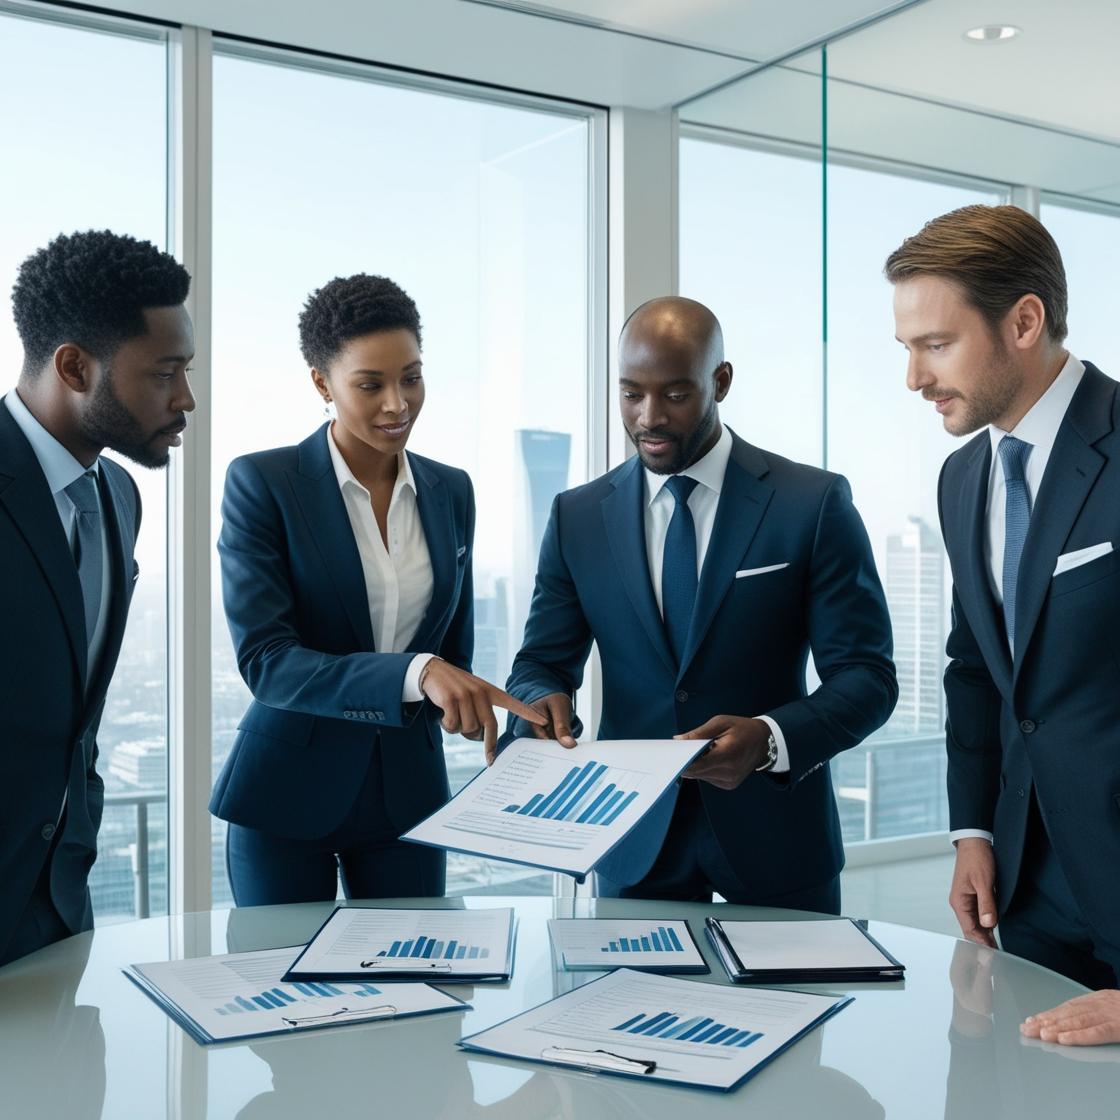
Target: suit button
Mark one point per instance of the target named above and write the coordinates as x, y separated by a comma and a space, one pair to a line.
682, 696
47, 831
1027, 726
347, 715
379, 715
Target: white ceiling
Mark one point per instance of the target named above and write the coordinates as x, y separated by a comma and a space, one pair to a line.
1041, 108
753, 29
1061, 71
525, 51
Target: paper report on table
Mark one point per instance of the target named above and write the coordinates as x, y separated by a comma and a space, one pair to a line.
369, 943
661, 1028
646, 944
544, 805
241, 995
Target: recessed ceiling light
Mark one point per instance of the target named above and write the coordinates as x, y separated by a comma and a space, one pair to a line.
992, 33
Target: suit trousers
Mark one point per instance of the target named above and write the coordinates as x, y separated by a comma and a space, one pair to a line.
691, 866
1044, 922
265, 869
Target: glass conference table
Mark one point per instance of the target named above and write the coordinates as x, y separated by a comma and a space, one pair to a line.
77, 1039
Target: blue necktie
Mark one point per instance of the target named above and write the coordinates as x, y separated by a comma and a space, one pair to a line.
87, 550
1013, 455
678, 566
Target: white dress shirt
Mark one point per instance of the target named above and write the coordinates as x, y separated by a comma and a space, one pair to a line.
398, 579
702, 504
61, 469
1039, 427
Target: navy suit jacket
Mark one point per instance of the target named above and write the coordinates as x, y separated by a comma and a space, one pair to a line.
746, 653
323, 697
1051, 717
49, 710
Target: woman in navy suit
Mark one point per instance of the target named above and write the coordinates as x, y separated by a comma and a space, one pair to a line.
346, 578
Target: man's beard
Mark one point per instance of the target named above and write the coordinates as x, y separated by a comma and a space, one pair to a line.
107, 423
687, 447
992, 400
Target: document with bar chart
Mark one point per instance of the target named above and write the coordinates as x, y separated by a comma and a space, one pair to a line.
661, 1029
445, 946
561, 810
242, 995
586, 944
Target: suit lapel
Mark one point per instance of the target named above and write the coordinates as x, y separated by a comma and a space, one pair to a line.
971, 575
624, 524
437, 521
1073, 468
29, 501
742, 504
324, 509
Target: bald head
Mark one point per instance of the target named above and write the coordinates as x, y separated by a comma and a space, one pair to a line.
674, 325
672, 375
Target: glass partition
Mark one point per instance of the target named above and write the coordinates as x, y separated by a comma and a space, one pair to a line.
796, 182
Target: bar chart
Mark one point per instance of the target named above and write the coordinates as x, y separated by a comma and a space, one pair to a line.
699, 1028
276, 998
431, 948
660, 940
583, 796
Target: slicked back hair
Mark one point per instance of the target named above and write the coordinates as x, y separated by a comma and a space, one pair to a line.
995, 255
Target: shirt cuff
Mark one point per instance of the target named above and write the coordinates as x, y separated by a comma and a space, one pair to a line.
782, 765
969, 833
411, 693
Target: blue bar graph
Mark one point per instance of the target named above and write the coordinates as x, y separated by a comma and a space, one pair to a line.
580, 796
274, 998
666, 1025
431, 948
660, 940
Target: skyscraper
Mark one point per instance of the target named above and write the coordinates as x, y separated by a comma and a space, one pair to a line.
542, 459
915, 587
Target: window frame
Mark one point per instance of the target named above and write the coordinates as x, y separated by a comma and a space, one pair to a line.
189, 564
865, 853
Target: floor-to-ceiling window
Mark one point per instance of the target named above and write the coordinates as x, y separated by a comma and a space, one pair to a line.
83, 145
1089, 240
753, 232
480, 210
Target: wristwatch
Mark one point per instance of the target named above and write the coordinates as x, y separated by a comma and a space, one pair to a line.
771, 755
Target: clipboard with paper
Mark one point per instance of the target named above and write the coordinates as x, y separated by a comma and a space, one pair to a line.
241, 996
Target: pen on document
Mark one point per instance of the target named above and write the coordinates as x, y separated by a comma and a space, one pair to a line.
374, 962
382, 1011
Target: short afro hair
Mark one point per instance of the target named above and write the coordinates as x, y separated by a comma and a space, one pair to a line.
91, 289
348, 307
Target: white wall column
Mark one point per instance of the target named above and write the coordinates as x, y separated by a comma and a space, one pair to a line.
642, 206
1027, 198
189, 559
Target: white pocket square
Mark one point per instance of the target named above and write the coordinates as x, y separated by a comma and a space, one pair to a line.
1081, 556
761, 571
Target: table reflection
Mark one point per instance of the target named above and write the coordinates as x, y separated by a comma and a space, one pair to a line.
993, 1070
53, 1063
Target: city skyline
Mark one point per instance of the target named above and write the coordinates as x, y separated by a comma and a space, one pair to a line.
891, 785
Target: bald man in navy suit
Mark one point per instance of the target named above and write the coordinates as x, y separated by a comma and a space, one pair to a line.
707, 570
